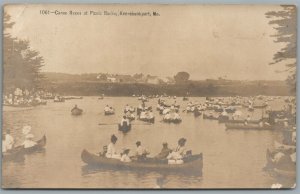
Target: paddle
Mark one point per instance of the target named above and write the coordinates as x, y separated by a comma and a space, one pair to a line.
131, 123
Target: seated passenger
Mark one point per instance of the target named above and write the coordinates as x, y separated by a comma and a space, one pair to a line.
165, 151
125, 157
125, 121
141, 152
111, 150
106, 108
7, 142
179, 152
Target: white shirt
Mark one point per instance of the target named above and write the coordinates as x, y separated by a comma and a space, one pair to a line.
124, 120
143, 115
111, 150
7, 144
140, 150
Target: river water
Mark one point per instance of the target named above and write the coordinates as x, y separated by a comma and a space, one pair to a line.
232, 158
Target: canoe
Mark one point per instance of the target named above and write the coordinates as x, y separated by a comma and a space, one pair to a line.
20, 150
185, 99
73, 98
192, 164
248, 126
76, 111
11, 108
175, 121
152, 120
124, 128
106, 113
59, 100
242, 121
260, 106
18, 106
211, 117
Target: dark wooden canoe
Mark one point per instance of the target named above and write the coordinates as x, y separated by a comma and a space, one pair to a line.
192, 164
175, 121
76, 111
124, 128
20, 150
107, 113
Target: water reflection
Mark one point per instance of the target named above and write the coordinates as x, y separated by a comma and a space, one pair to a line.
150, 179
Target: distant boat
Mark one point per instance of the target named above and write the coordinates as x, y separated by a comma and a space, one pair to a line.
76, 111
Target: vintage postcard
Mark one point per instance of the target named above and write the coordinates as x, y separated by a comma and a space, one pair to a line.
135, 96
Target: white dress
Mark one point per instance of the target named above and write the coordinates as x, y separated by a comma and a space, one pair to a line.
111, 152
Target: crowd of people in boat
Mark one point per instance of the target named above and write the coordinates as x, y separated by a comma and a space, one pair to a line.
25, 97
9, 143
109, 110
173, 156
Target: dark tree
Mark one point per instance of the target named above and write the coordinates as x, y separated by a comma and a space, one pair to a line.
21, 65
285, 22
181, 77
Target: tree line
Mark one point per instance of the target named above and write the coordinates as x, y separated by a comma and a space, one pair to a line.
21, 64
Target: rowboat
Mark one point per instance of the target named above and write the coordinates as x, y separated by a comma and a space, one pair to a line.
20, 150
124, 128
248, 126
76, 111
192, 164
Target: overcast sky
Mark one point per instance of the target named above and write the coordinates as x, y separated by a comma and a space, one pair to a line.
206, 41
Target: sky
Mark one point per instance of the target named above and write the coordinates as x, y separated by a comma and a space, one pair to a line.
207, 41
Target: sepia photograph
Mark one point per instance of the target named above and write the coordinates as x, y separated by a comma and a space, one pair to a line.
149, 96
